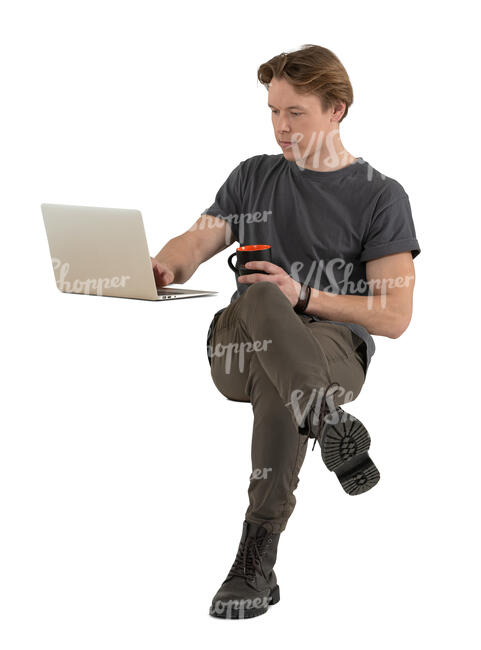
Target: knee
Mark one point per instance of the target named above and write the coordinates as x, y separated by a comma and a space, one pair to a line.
263, 292
263, 302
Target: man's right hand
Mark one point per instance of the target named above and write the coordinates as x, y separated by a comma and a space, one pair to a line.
162, 273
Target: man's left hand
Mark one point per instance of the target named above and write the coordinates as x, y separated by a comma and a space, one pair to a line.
289, 287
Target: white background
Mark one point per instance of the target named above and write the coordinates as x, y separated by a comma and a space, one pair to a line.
123, 471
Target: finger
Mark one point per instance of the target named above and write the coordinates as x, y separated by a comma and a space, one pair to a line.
255, 277
262, 265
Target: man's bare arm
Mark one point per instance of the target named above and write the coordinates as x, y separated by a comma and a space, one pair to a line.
388, 311
178, 260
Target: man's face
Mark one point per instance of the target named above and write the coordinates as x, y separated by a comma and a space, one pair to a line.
300, 126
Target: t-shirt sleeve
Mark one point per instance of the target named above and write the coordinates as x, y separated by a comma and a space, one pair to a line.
228, 200
391, 229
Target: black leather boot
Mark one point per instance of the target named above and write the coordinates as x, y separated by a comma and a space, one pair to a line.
251, 584
344, 443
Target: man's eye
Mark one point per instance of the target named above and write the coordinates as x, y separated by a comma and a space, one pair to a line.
292, 113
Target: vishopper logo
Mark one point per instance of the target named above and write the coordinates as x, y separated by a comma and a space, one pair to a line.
344, 285
334, 160
317, 395
241, 606
227, 350
241, 219
85, 286
260, 473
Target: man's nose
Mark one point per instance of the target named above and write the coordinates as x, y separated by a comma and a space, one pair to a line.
283, 125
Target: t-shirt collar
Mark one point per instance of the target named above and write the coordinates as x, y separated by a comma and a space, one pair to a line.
323, 175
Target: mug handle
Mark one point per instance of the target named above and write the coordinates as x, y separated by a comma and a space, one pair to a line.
234, 268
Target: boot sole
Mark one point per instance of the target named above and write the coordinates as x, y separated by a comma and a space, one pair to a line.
257, 611
344, 447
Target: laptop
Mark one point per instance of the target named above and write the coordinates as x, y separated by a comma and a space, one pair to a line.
103, 252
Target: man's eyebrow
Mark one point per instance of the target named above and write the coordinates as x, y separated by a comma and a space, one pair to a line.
301, 107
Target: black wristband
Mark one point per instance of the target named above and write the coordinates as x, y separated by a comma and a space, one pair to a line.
303, 301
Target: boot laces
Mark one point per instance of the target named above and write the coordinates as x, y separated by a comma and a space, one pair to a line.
248, 560
323, 411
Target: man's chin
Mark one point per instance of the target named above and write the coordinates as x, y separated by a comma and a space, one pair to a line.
289, 154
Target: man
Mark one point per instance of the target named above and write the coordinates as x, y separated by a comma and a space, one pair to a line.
295, 340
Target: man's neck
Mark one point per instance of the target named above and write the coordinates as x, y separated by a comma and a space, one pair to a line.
327, 161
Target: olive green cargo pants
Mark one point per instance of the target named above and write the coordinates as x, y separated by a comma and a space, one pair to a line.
261, 351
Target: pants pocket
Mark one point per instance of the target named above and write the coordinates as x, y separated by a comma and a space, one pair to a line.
211, 331
361, 350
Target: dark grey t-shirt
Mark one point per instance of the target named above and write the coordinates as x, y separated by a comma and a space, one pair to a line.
322, 226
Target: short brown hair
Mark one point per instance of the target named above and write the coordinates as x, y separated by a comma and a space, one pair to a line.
311, 70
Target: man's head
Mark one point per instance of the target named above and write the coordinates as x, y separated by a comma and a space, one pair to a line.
309, 94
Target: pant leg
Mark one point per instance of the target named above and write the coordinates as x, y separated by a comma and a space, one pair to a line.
239, 373
277, 448
288, 351
277, 453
